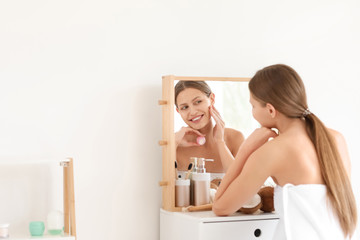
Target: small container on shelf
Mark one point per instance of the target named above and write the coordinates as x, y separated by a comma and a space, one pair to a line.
37, 228
55, 222
4, 230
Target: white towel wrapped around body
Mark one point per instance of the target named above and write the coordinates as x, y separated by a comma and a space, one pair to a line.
305, 213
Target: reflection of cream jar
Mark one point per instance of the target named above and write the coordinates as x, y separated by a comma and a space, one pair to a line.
201, 183
4, 230
182, 192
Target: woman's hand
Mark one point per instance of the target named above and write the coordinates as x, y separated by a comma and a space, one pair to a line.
219, 128
258, 138
182, 141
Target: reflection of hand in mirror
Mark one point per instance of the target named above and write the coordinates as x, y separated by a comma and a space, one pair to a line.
219, 128
193, 100
182, 138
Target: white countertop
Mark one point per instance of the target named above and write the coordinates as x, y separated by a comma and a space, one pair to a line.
209, 216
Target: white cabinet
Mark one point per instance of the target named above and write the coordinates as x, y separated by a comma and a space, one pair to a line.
207, 226
242, 229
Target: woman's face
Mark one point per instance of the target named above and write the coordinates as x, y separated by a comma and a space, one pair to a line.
193, 107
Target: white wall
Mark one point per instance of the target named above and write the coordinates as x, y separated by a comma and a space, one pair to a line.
82, 79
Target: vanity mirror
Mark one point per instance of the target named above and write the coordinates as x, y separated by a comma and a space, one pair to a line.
232, 101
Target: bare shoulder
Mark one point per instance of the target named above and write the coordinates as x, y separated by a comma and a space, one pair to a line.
231, 133
338, 137
342, 148
233, 136
233, 139
270, 154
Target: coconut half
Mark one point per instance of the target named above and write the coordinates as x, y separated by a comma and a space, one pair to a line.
267, 196
216, 181
252, 205
213, 186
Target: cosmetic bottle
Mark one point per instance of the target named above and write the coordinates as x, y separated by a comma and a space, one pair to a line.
182, 192
194, 161
201, 183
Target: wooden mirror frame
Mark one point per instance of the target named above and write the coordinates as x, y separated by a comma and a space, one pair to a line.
168, 134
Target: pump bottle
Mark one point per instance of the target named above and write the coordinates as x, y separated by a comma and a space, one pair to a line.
201, 183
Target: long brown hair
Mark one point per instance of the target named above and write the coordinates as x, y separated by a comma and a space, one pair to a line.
199, 85
282, 87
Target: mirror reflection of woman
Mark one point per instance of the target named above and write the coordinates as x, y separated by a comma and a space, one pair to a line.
194, 102
309, 162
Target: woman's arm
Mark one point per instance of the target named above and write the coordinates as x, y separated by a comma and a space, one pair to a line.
246, 182
229, 147
226, 157
234, 193
233, 138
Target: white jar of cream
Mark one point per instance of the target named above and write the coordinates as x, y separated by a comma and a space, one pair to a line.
4, 230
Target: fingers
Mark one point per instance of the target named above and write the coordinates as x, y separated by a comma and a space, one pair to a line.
273, 134
189, 130
265, 133
269, 132
193, 144
187, 143
196, 132
183, 141
216, 115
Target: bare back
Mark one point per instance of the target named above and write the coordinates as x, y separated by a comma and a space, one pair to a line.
296, 158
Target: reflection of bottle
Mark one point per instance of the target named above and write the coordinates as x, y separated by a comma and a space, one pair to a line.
182, 192
194, 161
201, 183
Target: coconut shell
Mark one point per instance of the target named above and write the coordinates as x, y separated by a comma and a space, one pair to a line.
250, 210
213, 186
252, 205
267, 199
216, 181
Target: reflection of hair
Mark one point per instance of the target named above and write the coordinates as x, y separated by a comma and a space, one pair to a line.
282, 87
199, 85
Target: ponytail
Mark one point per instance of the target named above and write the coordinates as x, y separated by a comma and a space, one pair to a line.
333, 172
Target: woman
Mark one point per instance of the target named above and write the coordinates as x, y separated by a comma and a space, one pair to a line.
308, 161
195, 103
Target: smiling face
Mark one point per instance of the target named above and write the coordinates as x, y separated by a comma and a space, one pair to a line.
193, 107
